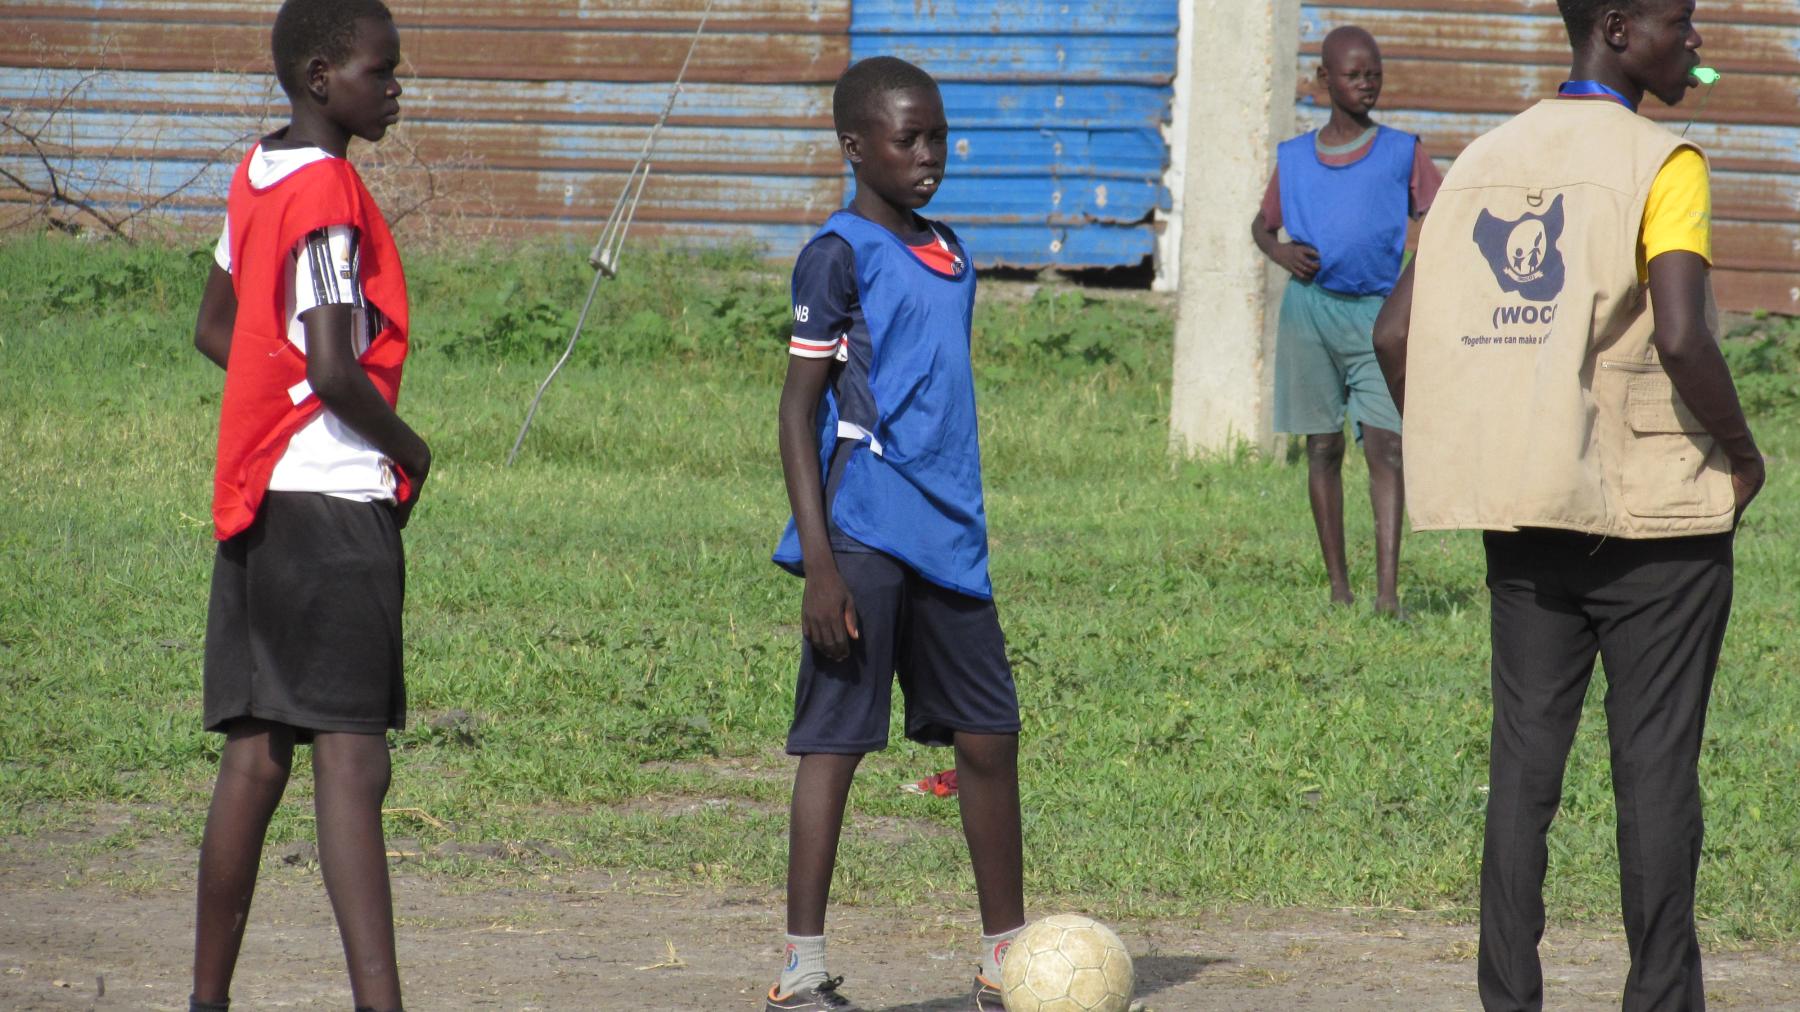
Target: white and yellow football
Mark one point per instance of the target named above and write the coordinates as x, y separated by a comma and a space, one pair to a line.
1066, 963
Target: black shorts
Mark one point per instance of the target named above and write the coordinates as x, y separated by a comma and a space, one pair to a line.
304, 624
946, 647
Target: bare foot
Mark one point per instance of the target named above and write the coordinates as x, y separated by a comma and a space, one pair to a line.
1390, 607
1342, 598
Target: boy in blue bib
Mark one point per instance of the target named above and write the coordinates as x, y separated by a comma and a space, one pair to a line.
1345, 193
883, 466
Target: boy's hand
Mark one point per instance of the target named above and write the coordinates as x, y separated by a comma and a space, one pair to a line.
416, 474
1297, 258
827, 613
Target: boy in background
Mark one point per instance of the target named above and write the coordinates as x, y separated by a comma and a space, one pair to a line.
306, 312
1345, 193
883, 467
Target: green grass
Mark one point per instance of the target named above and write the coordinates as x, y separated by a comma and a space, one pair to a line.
1200, 730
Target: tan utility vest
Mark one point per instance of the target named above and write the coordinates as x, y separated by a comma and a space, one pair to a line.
1534, 397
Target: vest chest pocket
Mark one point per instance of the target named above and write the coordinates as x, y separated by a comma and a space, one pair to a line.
1672, 468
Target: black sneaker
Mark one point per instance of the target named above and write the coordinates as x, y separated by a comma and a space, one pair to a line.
987, 996
821, 997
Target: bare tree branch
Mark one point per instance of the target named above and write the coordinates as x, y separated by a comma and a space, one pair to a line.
55, 194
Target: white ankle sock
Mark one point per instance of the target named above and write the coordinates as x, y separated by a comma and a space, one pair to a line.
804, 962
993, 950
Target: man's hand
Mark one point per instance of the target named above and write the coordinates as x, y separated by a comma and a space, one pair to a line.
1746, 481
1297, 258
827, 613
1679, 293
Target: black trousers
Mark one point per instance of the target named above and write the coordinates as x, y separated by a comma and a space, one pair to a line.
1654, 611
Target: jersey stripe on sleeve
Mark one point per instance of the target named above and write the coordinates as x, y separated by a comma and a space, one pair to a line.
808, 348
319, 267
354, 239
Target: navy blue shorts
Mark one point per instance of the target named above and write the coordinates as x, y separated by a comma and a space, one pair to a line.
946, 647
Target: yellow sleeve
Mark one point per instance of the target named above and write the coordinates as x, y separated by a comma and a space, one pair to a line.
1678, 213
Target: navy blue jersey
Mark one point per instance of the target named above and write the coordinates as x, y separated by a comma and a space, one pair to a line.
829, 323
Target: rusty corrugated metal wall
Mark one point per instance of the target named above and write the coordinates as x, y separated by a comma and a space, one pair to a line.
530, 111
1457, 68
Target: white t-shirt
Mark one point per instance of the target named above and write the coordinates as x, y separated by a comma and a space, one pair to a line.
326, 455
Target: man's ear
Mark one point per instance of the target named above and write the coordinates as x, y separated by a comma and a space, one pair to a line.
316, 76
1321, 75
851, 145
1615, 28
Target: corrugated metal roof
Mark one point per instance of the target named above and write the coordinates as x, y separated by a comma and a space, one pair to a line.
1455, 69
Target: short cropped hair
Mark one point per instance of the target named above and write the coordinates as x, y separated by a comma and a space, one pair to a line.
867, 80
1580, 16
324, 28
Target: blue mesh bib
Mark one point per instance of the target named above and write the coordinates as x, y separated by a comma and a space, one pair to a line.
1355, 215
912, 486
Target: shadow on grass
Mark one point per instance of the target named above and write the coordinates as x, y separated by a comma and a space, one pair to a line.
1154, 973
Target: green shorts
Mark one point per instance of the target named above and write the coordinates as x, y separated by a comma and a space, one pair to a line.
1325, 363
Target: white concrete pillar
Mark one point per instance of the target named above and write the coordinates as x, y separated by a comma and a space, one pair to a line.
1239, 103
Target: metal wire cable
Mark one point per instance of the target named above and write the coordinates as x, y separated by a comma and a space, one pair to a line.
610, 246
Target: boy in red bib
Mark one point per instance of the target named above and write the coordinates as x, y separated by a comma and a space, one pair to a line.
306, 312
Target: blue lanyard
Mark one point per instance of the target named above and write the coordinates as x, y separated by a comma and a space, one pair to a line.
1593, 89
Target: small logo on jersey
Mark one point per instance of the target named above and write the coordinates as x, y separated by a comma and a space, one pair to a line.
1523, 253
802, 313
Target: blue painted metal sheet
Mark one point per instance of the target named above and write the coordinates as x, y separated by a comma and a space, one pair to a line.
1016, 17
1139, 154
1070, 201
1136, 59
1111, 105
1056, 113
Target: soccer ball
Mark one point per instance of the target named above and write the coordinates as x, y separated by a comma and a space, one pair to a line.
1066, 963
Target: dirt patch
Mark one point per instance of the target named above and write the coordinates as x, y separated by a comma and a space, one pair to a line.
773, 766
92, 924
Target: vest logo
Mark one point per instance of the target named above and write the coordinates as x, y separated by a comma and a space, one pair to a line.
1523, 253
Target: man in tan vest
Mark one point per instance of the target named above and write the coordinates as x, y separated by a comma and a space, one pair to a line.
1552, 347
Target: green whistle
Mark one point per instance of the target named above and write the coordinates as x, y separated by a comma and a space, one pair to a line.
1706, 75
